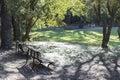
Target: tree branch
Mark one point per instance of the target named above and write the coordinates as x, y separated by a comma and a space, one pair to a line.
108, 7
35, 21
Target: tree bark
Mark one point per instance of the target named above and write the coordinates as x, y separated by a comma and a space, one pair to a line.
107, 32
29, 26
16, 29
104, 39
118, 31
28, 29
6, 31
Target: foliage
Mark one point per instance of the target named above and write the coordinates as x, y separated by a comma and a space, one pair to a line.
49, 11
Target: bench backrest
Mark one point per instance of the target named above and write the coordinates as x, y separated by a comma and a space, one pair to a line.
33, 53
30, 51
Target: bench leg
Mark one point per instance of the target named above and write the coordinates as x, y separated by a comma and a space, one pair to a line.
27, 57
33, 63
51, 63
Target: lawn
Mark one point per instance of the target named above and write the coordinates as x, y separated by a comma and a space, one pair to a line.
80, 36
72, 61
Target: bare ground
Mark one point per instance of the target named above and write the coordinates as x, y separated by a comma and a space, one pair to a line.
72, 62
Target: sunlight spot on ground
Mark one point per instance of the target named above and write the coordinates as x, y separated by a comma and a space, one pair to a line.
14, 76
63, 53
68, 60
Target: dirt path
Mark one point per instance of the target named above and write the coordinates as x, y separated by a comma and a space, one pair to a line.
72, 62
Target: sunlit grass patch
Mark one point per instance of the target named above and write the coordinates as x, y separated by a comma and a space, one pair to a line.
88, 37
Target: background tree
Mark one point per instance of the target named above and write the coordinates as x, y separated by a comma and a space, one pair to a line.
14, 20
109, 7
30, 19
14, 8
118, 20
24, 15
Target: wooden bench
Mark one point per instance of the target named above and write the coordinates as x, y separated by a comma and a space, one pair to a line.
30, 52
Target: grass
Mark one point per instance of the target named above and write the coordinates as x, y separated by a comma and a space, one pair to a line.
87, 37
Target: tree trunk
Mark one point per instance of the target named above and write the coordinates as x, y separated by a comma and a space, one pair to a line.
16, 29
104, 41
6, 31
29, 26
118, 31
107, 32
28, 29
118, 28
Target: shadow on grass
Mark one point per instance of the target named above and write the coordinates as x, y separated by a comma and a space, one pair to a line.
87, 37
29, 72
101, 66
10, 60
112, 64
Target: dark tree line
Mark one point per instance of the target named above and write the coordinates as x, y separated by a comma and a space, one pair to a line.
75, 19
